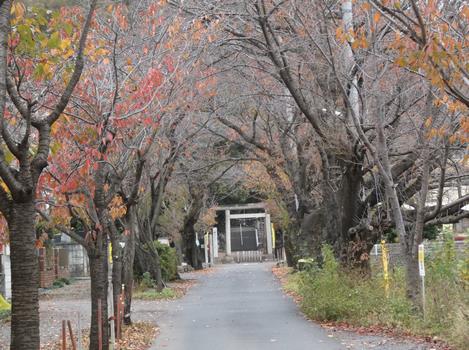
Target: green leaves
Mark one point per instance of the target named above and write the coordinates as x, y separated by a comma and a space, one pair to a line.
54, 41
43, 38
9, 157
26, 36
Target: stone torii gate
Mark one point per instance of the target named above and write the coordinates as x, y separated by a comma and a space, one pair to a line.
229, 216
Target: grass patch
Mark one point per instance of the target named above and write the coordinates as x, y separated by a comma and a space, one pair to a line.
152, 294
331, 294
61, 282
5, 315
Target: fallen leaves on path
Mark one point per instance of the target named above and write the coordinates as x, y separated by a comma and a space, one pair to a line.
207, 271
181, 287
138, 336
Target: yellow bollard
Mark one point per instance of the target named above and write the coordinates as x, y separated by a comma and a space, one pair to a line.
385, 259
273, 236
4, 305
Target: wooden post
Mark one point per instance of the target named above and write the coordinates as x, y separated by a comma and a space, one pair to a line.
64, 336
117, 318
80, 342
42, 267
122, 304
56, 262
112, 320
120, 312
72, 339
100, 325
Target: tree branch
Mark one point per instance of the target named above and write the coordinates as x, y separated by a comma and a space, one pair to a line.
78, 69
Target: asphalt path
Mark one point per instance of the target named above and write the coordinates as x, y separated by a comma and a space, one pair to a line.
242, 307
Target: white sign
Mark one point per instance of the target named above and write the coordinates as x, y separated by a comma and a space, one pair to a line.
215, 242
421, 257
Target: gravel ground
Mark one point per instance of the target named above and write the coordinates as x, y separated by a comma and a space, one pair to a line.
66, 303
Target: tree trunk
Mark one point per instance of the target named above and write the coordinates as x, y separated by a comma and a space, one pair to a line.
190, 245
116, 272
413, 279
289, 250
99, 288
339, 211
191, 248
158, 275
128, 263
24, 278
416, 237
196, 264
148, 260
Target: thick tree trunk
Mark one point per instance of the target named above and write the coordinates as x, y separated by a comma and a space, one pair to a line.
289, 250
190, 245
24, 276
196, 263
339, 211
99, 288
191, 249
357, 236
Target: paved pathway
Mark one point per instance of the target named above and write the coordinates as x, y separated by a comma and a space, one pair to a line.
242, 307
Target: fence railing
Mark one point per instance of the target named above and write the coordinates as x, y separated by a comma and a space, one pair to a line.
248, 256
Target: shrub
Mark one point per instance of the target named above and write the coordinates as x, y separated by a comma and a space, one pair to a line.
58, 284
168, 260
447, 299
331, 293
147, 282
64, 280
5, 314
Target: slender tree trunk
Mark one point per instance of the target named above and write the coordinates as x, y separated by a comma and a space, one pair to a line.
99, 288
116, 271
128, 263
148, 260
159, 275
416, 237
413, 278
24, 278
